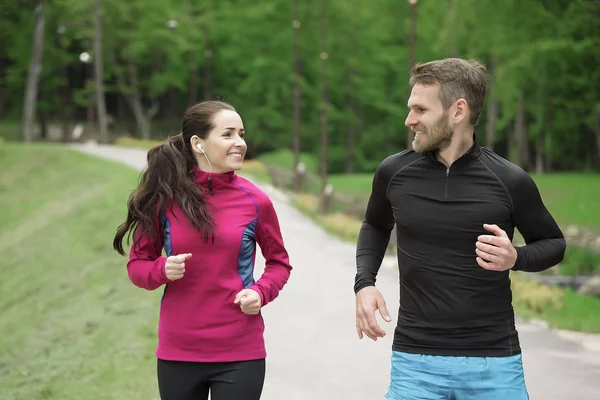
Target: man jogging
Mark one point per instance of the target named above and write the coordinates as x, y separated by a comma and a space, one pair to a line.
456, 206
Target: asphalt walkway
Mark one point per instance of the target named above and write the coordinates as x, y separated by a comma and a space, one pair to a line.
313, 350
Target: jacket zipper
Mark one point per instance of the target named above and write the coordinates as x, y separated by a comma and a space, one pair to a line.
210, 189
446, 188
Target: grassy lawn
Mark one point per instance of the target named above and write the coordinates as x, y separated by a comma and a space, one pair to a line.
564, 309
10, 130
561, 308
73, 326
572, 198
285, 158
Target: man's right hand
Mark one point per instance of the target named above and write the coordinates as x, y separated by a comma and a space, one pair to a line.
175, 266
368, 300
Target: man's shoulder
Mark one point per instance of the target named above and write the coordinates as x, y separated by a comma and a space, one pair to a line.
507, 171
397, 161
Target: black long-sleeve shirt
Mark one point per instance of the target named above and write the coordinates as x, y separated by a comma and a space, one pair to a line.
449, 305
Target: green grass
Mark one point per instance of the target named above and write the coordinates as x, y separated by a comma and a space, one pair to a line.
135, 143
72, 325
572, 198
579, 261
10, 130
561, 308
285, 158
577, 313
353, 184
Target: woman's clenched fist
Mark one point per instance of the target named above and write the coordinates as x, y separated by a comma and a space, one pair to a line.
175, 266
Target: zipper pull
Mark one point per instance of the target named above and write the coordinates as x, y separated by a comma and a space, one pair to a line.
210, 190
447, 172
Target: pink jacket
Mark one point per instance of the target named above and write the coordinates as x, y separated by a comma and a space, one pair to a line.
198, 319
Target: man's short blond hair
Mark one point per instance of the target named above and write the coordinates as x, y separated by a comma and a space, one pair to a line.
457, 78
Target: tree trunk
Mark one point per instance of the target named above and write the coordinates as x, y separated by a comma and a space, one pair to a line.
411, 58
540, 138
66, 110
142, 122
129, 87
511, 142
207, 64
539, 152
99, 73
64, 92
296, 47
360, 108
43, 117
548, 146
452, 11
33, 75
324, 56
135, 102
597, 131
351, 128
121, 100
521, 135
492, 110
193, 96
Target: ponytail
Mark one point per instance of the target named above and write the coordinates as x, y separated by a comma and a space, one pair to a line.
169, 176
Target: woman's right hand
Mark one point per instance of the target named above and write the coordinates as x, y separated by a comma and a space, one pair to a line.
175, 266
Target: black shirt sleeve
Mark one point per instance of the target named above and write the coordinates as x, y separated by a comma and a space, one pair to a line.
374, 235
545, 244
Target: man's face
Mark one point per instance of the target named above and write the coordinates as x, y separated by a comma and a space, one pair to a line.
428, 119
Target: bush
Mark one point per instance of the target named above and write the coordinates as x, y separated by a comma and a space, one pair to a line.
579, 261
256, 170
284, 158
534, 296
126, 141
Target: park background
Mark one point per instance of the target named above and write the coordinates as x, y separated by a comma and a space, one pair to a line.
322, 87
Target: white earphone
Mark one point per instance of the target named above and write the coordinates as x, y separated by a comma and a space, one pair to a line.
199, 147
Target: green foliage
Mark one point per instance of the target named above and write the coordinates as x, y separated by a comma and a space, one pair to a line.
571, 198
136, 143
285, 159
536, 297
73, 326
580, 262
242, 52
10, 130
561, 308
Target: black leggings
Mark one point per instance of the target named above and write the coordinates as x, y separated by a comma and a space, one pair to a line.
242, 380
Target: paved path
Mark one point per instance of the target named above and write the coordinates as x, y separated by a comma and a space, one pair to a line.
313, 351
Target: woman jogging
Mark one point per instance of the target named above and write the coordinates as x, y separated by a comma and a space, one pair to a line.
208, 220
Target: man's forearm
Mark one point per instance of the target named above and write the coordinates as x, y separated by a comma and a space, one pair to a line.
370, 250
540, 255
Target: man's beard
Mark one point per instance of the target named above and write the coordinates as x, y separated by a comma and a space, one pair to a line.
436, 138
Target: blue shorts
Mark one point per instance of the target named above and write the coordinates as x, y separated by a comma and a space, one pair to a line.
417, 376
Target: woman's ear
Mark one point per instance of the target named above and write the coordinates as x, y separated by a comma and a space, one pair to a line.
196, 144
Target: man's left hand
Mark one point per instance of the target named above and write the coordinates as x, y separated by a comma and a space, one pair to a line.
495, 252
249, 301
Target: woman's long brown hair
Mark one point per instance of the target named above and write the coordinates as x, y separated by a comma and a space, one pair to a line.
169, 176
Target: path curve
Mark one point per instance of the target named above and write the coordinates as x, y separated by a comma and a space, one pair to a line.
313, 351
